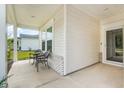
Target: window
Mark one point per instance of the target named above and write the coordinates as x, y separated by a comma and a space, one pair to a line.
43, 40
49, 38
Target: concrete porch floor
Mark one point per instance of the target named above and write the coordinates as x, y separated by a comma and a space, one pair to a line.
98, 75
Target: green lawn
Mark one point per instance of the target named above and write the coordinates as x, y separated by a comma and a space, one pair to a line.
22, 55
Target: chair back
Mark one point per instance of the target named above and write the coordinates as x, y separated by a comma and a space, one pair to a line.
38, 51
46, 54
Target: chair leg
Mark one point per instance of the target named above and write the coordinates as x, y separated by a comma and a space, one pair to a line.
29, 60
33, 62
47, 65
37, 67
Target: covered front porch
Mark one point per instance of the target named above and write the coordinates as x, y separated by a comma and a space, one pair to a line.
97, 75
78, 47
33, 33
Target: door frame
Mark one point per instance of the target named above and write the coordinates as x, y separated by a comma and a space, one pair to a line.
104, 60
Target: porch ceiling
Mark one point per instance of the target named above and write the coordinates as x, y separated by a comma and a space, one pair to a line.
101, 11
34, 16
30, 15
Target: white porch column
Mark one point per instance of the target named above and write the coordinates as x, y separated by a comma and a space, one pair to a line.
46, 39
40, 39
15, 43
3, 61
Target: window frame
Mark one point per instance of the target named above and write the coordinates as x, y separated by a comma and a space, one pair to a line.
45, 28
47, 38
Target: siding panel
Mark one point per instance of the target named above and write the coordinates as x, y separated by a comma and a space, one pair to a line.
82, 40
59, 33
56, 60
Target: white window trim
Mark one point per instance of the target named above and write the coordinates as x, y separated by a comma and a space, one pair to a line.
48, 25
105, 29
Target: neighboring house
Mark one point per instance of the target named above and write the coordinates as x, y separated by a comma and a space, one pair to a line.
26, 42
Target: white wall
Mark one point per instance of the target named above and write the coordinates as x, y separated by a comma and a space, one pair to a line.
58, 42
56, 60
27, 43
82, 40
77, 40
3, 62
58, 34
57, 21
113, 22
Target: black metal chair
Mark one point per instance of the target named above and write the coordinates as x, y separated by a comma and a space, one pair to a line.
34, 55
43, 58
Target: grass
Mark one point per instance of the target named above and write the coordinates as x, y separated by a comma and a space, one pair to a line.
22, 55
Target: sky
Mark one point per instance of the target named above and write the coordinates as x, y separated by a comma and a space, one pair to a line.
20, 31
26, 31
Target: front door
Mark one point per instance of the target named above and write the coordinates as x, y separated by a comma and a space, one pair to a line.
114, 42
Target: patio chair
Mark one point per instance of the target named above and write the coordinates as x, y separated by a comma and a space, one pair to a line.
42, 59
38, 51
34, 55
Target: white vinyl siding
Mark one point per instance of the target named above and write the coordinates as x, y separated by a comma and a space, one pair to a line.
59, 33
56, 60
82, 40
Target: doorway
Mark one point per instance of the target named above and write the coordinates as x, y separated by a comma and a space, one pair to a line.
114, 41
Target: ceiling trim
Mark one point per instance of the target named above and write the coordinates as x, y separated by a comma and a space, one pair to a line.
50, 18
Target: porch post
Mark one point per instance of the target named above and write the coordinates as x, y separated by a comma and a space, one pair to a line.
45, 39
15, 43
3, 47
40, 39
